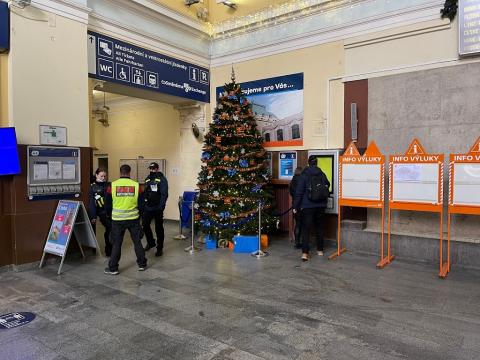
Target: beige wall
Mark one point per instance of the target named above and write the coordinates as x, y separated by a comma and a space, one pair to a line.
422, 45
4, 121
48, 80
319, 64
143, 128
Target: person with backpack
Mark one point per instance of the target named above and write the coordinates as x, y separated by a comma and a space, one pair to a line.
298, 218
311, 198
155, 198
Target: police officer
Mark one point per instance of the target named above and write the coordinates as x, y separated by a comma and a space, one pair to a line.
123, 203
155, 195
96, 206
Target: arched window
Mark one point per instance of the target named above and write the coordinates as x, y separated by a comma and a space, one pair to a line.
267, 137
295, 131
279, 135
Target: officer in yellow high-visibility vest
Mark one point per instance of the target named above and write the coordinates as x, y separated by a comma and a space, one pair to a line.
123, 202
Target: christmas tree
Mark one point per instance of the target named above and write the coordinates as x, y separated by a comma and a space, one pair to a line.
234, 175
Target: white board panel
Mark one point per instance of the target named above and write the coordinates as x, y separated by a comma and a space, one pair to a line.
361, 182
415, 182
466, 184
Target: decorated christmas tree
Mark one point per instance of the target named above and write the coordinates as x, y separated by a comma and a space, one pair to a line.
234, 176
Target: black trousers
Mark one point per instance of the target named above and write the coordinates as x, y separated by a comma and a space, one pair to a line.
118, 232
156, 215
313, 219
298, 228
107, 223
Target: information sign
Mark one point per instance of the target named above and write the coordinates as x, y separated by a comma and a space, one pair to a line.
15, 319
464, 189
53, 135
362, 185
469, 27
53, 172
117, 61
416, 184
288, 163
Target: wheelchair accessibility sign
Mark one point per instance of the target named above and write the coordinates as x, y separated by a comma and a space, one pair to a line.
16, 319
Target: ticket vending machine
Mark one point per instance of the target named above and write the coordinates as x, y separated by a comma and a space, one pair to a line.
327, 160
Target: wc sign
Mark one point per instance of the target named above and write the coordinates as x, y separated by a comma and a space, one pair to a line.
119, 62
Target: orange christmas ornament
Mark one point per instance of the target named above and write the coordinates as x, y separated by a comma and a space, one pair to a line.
218, 139
227, 200
226, 158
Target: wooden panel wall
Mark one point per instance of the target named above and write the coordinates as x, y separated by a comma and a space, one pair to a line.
29, 221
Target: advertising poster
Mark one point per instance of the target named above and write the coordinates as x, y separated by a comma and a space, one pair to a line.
288, 163
277, 104
62, 227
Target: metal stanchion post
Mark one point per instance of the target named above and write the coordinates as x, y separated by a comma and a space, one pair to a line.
180, 236
192, 248
259, 253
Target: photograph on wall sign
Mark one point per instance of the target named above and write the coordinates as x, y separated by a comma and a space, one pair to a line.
277, 104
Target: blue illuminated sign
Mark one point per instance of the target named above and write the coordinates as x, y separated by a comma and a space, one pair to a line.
288, 163
116, 61
10, 164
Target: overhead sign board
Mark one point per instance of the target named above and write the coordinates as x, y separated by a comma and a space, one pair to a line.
469, 27
116, 61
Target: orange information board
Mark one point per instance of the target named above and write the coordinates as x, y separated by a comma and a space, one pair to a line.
361, 184
416, 183
464, 189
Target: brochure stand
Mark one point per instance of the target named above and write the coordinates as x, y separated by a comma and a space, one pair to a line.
70, 217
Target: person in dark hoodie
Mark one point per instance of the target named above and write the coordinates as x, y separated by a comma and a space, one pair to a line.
155, 198
311, 197
297, 216
96, 206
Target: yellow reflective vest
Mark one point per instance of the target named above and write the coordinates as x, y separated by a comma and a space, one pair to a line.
125, 199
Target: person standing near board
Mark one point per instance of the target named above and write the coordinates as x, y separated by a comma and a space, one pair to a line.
96, 207
123, 205
311, 197
155, 198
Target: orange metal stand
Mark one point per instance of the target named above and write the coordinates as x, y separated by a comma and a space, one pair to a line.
416, 155
372, 156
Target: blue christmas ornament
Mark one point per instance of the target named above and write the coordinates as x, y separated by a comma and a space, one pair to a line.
231, 172
257, 188
224, 215
243, 163
206, 155
232, 97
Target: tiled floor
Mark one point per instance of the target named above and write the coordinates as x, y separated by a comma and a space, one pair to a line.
219, 305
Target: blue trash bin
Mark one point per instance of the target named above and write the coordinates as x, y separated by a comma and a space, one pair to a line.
186, 210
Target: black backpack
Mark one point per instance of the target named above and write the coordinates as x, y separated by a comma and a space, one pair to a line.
152, 192
317, 188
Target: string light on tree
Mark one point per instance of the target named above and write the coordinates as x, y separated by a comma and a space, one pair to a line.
233, 180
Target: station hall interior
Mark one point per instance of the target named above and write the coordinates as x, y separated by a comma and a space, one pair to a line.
227, 98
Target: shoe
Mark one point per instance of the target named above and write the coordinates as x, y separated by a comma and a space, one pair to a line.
320, 253
110, 272
304, 257
142, 268
159, 252
148, 247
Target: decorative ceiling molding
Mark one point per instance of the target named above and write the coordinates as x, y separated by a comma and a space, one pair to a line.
75, 10
256, 48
